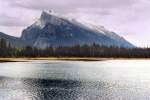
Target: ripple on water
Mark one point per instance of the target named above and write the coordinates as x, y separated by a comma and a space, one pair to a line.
61, 80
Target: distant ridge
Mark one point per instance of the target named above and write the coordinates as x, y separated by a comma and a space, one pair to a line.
14, 41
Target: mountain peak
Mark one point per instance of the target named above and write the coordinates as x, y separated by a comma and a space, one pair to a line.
49, 16
55, 30
48, 12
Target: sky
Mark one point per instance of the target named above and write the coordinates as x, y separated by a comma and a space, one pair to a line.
128, 18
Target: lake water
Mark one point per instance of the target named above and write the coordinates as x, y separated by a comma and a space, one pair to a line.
75, 80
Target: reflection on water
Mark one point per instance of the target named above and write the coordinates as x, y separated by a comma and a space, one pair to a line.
75, 80
39, 89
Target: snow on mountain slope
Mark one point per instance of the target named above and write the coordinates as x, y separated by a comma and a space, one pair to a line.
103, 30
54, 30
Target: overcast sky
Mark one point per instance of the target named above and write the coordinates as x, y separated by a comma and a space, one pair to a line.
128, 18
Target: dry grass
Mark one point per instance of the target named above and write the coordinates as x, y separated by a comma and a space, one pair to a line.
70, 58
52, 58
67, 59
12, 60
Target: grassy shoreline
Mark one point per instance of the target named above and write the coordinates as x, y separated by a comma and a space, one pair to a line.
52, 58
67, 59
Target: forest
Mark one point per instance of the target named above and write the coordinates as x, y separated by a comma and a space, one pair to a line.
94, 50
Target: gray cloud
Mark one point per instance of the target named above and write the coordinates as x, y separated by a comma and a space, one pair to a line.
11, 21
130, 18
74, 3
71, 5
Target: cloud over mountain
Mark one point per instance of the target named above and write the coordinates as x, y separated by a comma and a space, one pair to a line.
117, 15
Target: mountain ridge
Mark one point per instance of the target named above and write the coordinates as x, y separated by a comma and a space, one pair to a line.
14, 41
54, 30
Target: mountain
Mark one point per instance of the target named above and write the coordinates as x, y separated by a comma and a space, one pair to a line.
14, 41
53, 30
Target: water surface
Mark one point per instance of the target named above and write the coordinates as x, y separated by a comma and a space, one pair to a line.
75, 80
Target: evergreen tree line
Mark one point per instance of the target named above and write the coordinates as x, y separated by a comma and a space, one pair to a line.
94, 50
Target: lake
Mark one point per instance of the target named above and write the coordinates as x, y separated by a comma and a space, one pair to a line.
75, 80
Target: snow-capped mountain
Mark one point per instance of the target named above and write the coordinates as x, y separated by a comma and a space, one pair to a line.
53, 30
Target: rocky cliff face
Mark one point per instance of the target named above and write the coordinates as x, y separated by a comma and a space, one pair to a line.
53, 30
14, 41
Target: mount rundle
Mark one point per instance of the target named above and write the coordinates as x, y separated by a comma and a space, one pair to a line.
51, 30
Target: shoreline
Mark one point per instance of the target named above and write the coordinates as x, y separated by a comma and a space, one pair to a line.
52, 58
67, 59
